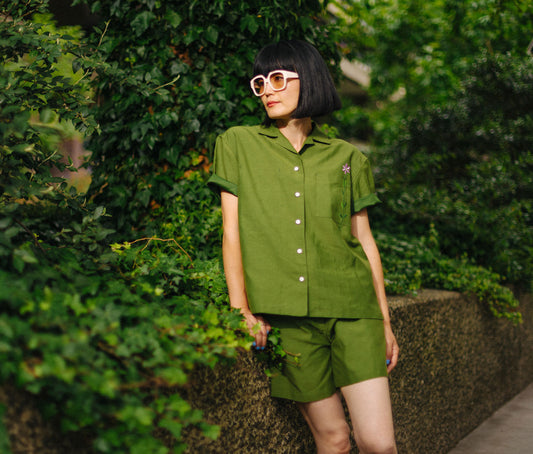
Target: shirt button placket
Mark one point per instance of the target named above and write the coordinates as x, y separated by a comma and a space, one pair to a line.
298, 221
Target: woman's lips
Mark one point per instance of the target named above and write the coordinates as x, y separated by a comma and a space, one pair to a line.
271, 103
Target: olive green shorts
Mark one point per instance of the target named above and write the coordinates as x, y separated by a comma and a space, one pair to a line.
324, 354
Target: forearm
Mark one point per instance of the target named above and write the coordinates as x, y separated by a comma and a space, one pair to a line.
233, 269
376, 267
361, 230
231, 252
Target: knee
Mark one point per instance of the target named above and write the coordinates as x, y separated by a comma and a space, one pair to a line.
335, 440
381, 446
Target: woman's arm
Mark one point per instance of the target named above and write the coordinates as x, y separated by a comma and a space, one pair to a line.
231, 253
361, 230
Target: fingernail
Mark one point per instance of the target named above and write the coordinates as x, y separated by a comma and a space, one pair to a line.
262, 348
253, 344
268, 331
388, 362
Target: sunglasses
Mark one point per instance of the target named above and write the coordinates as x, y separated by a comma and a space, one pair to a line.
277, 80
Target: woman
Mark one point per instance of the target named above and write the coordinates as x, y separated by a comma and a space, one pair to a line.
299, 254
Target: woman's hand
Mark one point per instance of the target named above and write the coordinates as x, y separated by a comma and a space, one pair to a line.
393, 350
258, 328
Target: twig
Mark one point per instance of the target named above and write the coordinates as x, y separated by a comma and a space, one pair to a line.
34, 237
161, 239
103, 33
168, 83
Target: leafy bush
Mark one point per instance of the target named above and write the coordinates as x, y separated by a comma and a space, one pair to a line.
171, 76
424, 47
102, 335
467, 168
106, 334
412, 263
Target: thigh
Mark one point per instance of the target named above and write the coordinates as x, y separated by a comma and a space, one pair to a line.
371, 413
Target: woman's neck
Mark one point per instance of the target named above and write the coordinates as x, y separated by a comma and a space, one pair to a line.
296, 130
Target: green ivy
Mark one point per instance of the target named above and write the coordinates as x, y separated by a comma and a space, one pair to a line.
105, 332
466, 168
170, 77
101, 334
411, 263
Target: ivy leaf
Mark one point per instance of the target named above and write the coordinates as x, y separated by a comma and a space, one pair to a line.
249, 22
211, 34
210, 431
142, 22
174, 427
173, 18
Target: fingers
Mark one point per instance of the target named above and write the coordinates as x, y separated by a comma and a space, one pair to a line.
393, 351
259, 328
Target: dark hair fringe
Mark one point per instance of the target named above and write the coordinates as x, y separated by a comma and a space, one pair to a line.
318, 95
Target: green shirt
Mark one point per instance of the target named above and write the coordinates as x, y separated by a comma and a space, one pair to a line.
299, 256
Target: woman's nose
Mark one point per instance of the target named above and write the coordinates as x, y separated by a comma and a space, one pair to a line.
268, 88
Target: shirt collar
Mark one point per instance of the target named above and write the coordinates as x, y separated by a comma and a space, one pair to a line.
316, 136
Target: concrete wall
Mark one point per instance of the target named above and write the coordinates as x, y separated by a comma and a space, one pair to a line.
458, 365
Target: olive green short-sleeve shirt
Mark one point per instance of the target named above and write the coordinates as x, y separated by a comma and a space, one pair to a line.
298, 253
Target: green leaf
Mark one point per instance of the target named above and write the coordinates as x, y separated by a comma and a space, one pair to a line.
142, 21
250, 23
210, 430
47, 116
173, 18
211, 34
5, 446
171, 425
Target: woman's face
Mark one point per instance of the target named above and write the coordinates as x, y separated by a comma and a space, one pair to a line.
280, 105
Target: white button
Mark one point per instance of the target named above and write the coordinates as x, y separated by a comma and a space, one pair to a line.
301, 278
299, 250
296, 168
298, 221
297, 194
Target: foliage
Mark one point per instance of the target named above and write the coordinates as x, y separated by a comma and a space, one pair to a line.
454, 148
467, 166
425, 46
412, 263
171, 76
105, 336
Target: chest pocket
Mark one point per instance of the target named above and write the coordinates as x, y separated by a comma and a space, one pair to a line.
331, 199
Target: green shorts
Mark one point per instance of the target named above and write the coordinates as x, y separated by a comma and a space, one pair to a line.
324, 354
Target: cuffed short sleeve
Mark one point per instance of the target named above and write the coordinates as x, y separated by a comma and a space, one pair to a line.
225, 169
363, 192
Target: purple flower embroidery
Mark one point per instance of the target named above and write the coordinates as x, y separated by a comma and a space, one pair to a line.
344, 203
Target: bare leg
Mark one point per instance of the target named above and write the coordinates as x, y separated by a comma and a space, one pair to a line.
328, 424
371, 414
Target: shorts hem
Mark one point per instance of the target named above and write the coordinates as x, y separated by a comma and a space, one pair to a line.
303, 397
360, 379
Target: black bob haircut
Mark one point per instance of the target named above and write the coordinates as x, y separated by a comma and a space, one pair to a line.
318, 95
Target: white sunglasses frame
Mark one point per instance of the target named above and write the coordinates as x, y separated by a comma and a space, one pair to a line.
286, 75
